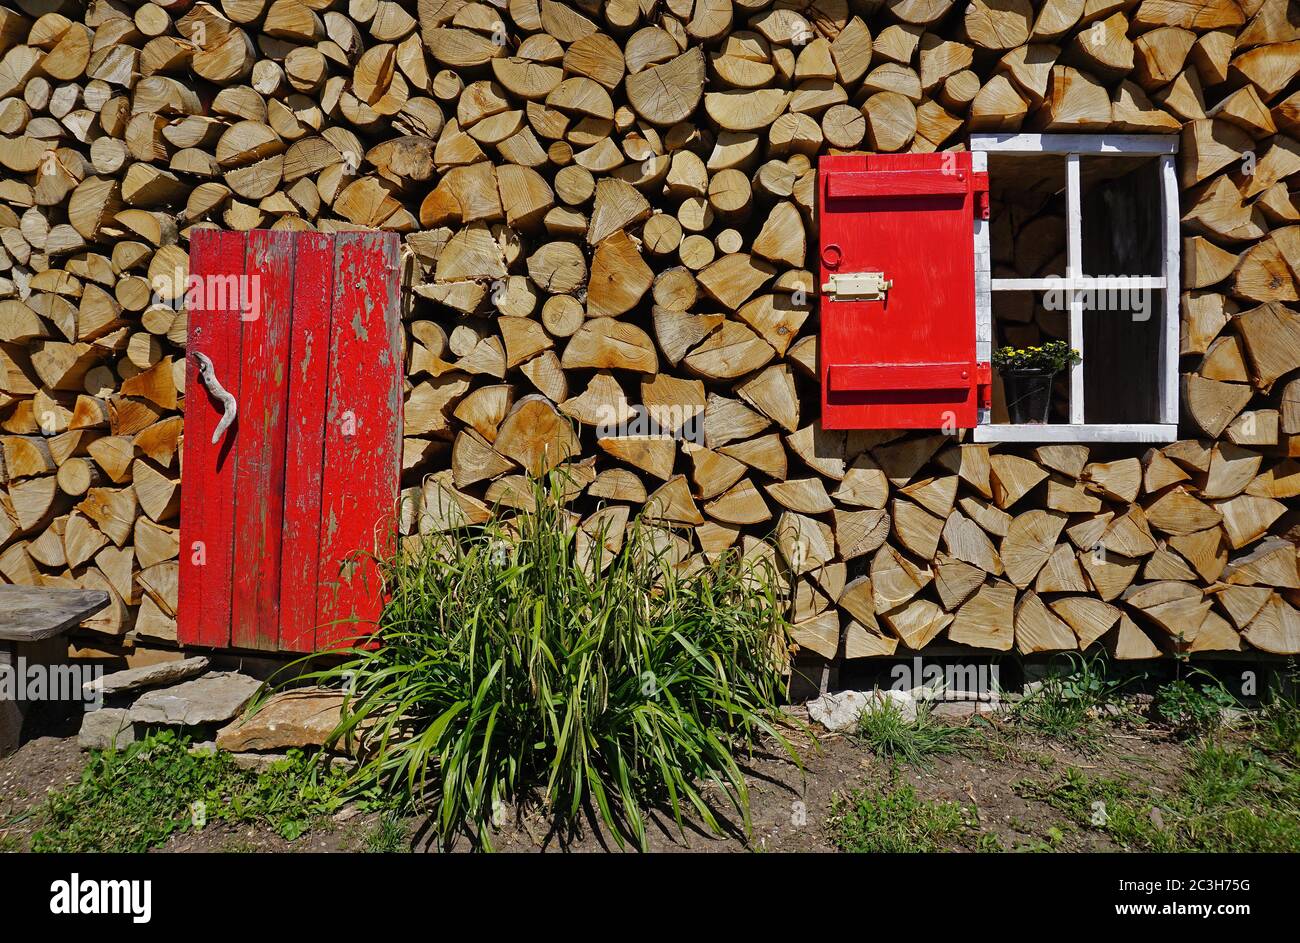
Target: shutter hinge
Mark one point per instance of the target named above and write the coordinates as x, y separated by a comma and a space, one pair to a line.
984, 385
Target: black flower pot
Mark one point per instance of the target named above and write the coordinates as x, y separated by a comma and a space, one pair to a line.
1029, 394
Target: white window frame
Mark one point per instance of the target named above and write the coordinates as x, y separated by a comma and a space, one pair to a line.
1163, 147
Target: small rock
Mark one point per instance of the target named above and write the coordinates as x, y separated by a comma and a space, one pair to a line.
204, 748
1106, 711
106, 729
302, 718
838, 711
1233, 716
256, 762
932, 692
146, 676
902, 700
261, 762
211, 699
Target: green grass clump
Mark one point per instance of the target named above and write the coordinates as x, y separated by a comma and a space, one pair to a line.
1069, 702
135, 799
388, 835
893, 819
521, 661
891, 736
1222, 775
1193, 706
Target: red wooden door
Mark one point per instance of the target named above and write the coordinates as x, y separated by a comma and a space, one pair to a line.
898, 291
303, 331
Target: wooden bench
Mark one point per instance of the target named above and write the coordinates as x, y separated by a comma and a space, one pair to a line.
30, 614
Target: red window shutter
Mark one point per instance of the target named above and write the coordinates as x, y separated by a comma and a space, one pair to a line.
897, 337
308, 473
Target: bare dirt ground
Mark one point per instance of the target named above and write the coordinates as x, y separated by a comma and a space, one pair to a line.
790, 807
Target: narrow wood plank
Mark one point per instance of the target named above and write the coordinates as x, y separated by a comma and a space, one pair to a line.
309, 365
891, 184
363, 426
259, 489
208, 498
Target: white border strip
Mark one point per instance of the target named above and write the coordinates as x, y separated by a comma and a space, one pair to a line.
1069, 432
1115, 145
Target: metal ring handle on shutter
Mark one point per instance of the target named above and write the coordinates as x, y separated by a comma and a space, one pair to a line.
229, 408
832, 255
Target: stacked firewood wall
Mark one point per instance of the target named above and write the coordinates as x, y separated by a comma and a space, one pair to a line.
607, 209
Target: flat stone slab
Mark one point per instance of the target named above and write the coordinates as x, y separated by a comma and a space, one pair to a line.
106, 729
302, 718
146, 676
212, 699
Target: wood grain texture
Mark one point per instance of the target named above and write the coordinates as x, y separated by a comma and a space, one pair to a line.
30, 613
362, 435
309, 371
260, 476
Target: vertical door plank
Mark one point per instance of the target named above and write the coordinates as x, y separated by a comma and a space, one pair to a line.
309, 361
259, 480
208, 497
362, 463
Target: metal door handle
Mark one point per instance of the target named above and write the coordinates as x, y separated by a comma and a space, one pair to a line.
228, 405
